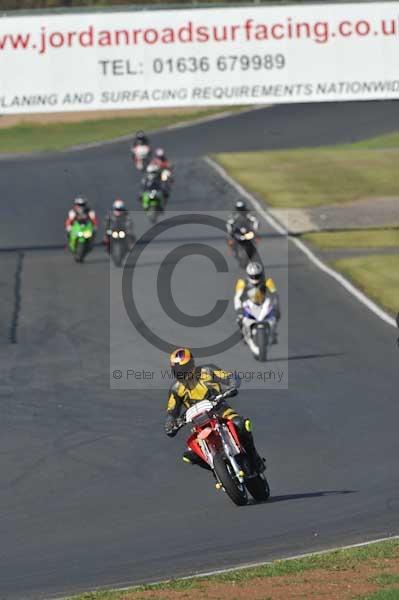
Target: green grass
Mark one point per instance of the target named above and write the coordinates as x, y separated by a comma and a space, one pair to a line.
340, 560
57, 136
377, 276
389, 140
386, 579
369, 238
313, 177
382, 595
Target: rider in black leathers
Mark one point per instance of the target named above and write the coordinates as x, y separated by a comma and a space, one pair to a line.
241, 218
118, 219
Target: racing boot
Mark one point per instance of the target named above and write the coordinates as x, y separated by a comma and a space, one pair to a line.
244, 428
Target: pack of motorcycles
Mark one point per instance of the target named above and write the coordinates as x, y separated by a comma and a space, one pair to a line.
156, 187
209, 432
258, 313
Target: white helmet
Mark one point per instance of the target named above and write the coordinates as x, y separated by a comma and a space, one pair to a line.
255, 273
152, 169
160, 153
119, 205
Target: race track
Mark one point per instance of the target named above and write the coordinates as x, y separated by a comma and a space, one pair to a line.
91, 491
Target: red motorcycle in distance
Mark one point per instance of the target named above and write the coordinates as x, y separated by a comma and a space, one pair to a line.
141, 156
215, 440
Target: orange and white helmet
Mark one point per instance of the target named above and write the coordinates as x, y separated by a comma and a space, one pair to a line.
182, 363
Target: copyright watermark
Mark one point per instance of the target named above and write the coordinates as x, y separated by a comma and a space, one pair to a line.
176, 288
262, 375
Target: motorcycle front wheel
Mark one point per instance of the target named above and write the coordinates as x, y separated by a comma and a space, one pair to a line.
80, 252
262, 338
117, 253
242, 256
258, 487
152, 214
233, 488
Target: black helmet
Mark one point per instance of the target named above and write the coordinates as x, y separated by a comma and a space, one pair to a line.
240, 206
255, 273
182, 363
140, 136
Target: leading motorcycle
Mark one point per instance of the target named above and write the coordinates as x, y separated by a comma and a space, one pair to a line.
215, 440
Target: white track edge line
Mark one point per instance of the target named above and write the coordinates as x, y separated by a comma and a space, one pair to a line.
345, 283
240, 567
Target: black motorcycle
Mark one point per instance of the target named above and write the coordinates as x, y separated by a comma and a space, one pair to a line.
242, 243
119, 245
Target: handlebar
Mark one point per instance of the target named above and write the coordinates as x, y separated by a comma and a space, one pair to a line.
181, 421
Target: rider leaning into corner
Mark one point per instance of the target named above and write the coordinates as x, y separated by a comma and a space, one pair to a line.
194, 384
256, 287
81, 207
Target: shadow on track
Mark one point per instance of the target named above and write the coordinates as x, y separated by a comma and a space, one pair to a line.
320, 494
306, 356
304, 496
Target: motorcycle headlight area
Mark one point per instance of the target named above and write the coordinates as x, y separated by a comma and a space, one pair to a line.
199, 409
87, 234
118, 234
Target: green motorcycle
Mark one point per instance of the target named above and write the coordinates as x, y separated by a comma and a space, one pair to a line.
153, 202
81, 238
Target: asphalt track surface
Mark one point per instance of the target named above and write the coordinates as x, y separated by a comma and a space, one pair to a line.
91, 491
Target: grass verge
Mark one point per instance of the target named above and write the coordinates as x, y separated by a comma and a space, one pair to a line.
377, 276
308, 177
290, 578
32, 137
369, 238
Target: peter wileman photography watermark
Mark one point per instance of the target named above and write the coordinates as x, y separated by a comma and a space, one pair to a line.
166, 375
176, 287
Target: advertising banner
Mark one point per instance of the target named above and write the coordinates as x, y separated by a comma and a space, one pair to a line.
198, 57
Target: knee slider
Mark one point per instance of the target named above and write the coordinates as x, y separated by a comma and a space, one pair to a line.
248, 425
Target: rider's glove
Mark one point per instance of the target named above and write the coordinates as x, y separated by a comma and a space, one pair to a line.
170, 426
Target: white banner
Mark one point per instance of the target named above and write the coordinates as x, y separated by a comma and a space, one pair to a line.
136, 59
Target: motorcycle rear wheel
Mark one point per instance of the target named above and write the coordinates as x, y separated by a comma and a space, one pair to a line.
236, 491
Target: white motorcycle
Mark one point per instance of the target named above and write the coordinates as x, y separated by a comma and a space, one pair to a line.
141, 155
259, 323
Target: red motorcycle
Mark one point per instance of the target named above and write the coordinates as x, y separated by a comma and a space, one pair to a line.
215, 440
141, 155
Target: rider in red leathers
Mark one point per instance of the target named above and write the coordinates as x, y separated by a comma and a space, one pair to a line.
80, 205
